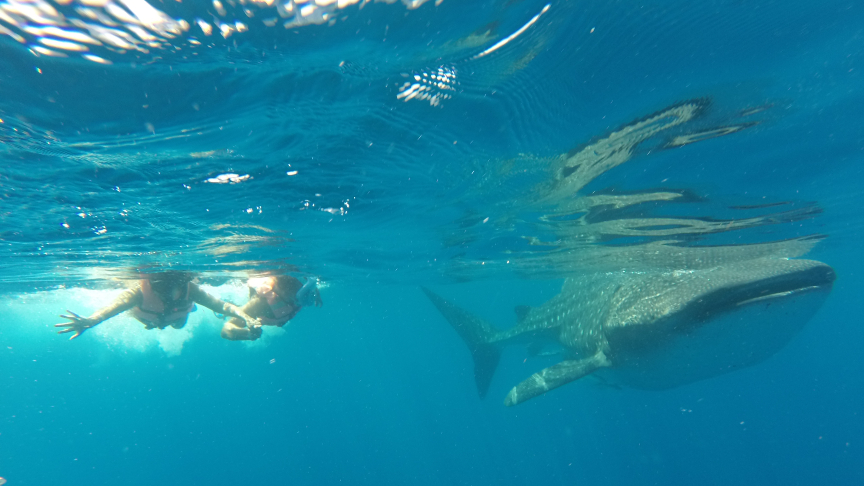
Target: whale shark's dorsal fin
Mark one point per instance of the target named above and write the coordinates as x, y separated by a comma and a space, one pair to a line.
521, 312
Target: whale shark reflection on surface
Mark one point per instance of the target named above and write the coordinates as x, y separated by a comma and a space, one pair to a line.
655, 310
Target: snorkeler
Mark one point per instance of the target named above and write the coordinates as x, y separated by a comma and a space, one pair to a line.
159, 301
274, 301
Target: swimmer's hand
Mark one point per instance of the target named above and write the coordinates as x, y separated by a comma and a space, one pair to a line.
255, 333
77, 325
308, 295
251, 322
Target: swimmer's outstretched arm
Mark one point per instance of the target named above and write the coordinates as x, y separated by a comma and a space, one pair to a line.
216, 305
78, 324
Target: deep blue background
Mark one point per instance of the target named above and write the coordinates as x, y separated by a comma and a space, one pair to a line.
376, 388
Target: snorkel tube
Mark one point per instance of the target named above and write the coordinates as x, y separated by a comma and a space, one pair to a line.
307, 294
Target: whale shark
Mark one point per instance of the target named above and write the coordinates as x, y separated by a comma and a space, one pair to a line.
654, 329
646, 302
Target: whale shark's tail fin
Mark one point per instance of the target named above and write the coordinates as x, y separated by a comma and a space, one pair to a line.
477, 334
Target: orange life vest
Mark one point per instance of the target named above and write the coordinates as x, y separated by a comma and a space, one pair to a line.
153, 313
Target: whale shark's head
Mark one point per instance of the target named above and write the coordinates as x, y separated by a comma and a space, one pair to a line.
671, 329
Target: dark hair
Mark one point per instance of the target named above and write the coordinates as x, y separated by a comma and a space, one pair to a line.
288, 285
164, 283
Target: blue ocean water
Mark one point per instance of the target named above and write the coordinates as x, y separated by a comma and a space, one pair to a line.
381, 147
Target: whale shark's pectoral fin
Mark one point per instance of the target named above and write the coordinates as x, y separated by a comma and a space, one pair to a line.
555, 376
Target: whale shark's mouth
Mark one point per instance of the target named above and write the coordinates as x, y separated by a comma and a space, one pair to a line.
792, 278
780, 295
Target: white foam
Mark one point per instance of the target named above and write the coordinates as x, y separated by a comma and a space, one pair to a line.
36, 313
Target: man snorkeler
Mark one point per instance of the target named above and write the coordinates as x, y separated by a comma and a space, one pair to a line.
159, 301
274, 301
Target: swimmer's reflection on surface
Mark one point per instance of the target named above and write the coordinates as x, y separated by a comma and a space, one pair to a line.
160, 300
